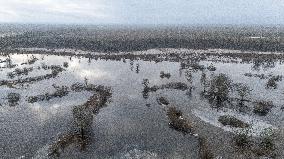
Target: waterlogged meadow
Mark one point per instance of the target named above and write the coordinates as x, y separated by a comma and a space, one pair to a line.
160, 103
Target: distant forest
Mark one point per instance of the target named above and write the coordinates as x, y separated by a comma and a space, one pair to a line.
126, 38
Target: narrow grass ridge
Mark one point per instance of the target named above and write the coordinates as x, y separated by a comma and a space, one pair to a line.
83, 117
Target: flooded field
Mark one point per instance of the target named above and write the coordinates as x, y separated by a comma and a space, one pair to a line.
166, 103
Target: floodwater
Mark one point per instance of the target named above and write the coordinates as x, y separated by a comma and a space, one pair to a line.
131, 126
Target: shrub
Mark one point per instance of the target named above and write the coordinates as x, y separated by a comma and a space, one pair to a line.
188, 76
13, 98
165, 75
163, 100
60, 92
232, 121
272, 82
145, 82
146, 90
32, 60
196, 66
19, 72
262, 107
211, 67
55, 70
78, 87
171, 85
65, 64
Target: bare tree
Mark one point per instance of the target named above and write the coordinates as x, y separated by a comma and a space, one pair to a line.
219, 89
243, 91
203, 81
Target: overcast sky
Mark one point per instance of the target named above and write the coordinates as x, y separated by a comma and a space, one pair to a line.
143, 11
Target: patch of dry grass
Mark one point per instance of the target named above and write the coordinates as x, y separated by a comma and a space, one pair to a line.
232, 121
262, 107
178, 122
